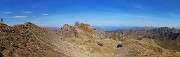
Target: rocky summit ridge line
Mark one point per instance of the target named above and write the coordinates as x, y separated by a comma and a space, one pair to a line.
80, 40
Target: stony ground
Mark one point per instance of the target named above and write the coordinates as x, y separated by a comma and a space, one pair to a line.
80, 40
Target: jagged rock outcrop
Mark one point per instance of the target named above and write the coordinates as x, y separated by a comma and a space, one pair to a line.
167, 37
85, 30
164, 36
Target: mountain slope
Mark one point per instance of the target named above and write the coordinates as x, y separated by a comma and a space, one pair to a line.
22, 41
80, 40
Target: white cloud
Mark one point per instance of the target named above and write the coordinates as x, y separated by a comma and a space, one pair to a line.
27, 12
19, 16
7, 12
45, 14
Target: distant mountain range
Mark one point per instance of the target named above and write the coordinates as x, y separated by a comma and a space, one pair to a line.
110, 28
103, 28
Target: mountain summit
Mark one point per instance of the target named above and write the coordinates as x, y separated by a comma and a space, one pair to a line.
80, 40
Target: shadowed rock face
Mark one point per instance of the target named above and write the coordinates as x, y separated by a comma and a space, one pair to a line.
167, 37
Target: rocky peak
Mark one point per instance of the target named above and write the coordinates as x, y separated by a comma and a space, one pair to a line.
2, 25
67, 26
77, 23
85, 30
29, 24
74, 31
84, 27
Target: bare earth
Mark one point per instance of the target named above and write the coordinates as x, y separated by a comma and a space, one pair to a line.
80, 40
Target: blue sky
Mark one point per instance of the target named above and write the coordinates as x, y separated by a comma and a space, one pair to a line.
55, 13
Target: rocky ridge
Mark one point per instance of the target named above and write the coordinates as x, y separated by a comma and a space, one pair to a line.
22, 41
167, 37
79, 40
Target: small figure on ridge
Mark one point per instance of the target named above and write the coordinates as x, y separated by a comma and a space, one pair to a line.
1, 19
